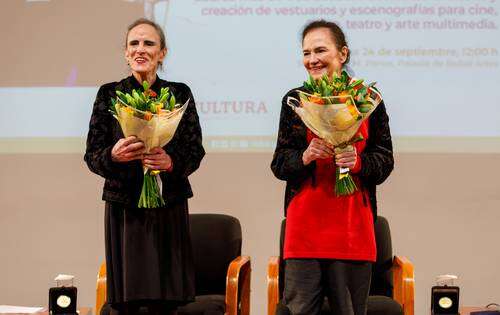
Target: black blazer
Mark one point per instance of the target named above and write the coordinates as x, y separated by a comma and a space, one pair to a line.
377, 161
124, 180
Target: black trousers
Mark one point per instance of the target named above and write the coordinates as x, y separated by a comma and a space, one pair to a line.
141, 308
346, 284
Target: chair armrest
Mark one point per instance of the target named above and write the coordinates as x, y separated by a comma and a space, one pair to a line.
404, 284
101, 289
273, 289
238, 286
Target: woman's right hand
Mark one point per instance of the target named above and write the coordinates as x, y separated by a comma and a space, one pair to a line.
127, 149
317, 149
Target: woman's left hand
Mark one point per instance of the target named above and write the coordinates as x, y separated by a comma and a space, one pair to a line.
347, 159
157, 159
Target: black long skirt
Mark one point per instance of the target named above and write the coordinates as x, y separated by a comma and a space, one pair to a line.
149, 254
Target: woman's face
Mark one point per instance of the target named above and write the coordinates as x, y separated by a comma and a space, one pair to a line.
320, 53
143, 52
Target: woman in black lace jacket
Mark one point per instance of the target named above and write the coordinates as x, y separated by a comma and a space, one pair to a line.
148, 251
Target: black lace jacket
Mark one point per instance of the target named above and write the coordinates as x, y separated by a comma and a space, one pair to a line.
377, 161
124, 180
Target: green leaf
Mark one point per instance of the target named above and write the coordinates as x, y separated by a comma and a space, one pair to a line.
307, 86
128, 99
355, 83
135, 95
163, 98
323, 87
172, 102
112, 108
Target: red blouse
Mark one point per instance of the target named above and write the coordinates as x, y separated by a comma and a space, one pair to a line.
322, 225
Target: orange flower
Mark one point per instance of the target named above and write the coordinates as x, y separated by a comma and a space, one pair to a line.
358, 86
316, 100
344, 96
150, 93
352, 109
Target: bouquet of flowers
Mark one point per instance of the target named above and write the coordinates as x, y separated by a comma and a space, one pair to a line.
153, 119
334, 109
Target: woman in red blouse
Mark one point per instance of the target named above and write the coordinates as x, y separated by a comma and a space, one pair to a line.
329, 241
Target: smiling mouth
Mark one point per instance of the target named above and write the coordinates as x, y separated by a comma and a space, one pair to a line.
140, 60
316, 69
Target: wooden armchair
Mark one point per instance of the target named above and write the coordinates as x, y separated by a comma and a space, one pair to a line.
392, 289
222, 275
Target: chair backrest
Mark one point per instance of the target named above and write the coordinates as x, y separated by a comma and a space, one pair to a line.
216, 240
381, 274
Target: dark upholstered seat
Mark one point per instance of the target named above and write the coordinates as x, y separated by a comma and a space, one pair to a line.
222, 275
392, 286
